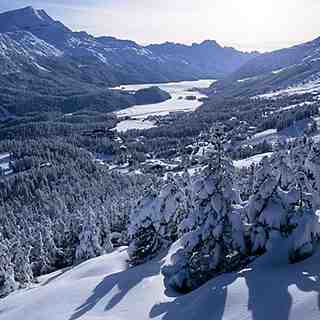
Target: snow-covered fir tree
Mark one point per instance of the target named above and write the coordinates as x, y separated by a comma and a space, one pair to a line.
307, 218
90, 244
21, 260
218, 235
40, 260
7, 279
144, 227
269, 207
156, 219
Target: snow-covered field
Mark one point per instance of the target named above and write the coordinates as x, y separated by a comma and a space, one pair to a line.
4, 156
265, 133
134, 124
309, 87
246, 163
178, 103
293, 106
270, 135
104, 288
5, 166
5, 163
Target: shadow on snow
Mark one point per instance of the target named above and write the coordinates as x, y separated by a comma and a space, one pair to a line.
124, 281
268, 292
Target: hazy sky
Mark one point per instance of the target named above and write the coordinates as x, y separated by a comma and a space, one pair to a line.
245, 24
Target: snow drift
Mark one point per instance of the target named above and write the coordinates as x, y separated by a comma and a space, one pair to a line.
103, 288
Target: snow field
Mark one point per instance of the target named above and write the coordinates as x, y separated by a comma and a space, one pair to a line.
104, 288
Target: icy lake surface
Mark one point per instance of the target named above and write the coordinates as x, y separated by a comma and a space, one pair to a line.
178, 103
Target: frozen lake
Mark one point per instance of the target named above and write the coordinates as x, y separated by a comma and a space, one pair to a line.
178, 90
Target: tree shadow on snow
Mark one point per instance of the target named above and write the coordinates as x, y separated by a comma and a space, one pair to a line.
269, 296
207, 302
123, 281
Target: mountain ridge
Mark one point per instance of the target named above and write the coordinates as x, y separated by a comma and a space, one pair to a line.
84, 64
274, 71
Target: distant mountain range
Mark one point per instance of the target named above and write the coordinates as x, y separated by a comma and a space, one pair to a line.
272, 71
43, 60
44, 65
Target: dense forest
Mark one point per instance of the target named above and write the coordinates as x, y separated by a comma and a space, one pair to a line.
61, 205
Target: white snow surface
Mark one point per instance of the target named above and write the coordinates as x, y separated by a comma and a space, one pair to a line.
269, 135
178, 91
303, 88
247, 79
4, 156
278, 70
104, 288
126, 125
246, 163
265, 133
5, 165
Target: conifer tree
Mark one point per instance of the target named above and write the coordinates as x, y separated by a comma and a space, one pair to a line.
207, 249
7, 280
90, 245
144, 227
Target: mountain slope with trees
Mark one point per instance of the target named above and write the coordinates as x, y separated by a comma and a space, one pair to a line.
272, 71
43, 60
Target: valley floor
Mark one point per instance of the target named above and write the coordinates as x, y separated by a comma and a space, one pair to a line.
104, 288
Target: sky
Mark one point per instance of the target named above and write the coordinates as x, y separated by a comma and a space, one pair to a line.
247, 25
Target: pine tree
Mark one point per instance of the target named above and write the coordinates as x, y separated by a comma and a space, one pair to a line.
40, 261
104, 228
172, 207
306, 219
305, 235
7, 281
21, 260
208, 249
54, 255
89, 238
269, 208
144, 227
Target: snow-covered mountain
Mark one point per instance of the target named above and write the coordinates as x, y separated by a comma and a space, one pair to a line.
274, 71
21, 48
308, 52
45, 57
225, 61
38, 22
130, 61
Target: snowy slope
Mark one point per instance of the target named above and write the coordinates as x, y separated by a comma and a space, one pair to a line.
280, 73
246, 163
103, 288
21, 49
312, 87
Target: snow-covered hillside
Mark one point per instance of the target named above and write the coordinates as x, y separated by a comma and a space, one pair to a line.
21, 49
246, 163
312, 87
104, 288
